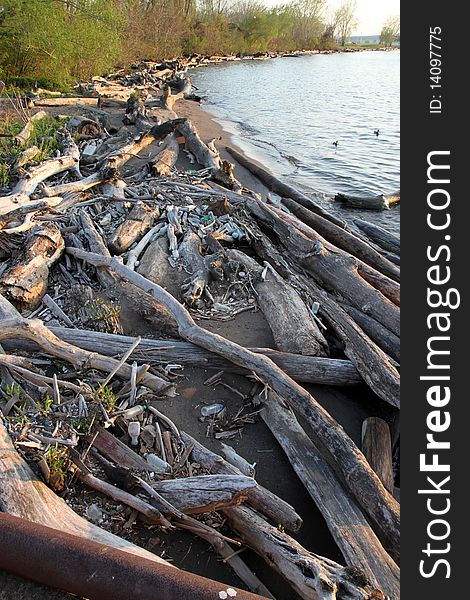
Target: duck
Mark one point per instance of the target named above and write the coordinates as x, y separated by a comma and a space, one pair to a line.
376, 131
335, 143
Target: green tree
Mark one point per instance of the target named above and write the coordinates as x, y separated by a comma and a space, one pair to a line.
345, 20
390, 31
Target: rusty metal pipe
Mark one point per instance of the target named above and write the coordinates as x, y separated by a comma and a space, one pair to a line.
95, 571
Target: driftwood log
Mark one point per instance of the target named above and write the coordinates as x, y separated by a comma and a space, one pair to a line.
380, 236
205, 493
312, 577
344, 239
35, 331
374, 366
377, 448
334, 269
261, 499
293, 326
163, 163
25, 282
281, 188
307, 369
20, 195
379, 505
379, 202
348, 526
24, 135
138, 222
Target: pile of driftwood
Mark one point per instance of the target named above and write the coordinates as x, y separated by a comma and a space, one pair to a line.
115, 216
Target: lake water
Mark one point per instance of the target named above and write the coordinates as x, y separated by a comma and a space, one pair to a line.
287, 112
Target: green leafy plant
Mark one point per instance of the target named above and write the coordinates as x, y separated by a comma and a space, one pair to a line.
104, 316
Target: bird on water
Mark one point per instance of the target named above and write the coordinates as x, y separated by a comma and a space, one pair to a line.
335, 143
376, 131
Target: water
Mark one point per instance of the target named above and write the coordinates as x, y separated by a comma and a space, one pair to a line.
287, 113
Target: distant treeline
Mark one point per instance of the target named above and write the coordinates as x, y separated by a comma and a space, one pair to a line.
55, 42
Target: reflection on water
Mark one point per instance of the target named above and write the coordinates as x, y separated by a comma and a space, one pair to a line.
287, 113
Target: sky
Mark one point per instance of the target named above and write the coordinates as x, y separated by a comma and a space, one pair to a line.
371, 13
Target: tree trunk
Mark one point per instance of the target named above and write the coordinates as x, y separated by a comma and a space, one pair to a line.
166, 159
344, 239
348, 526
292, 325
283, 189
259, 498
380, 202
334, 269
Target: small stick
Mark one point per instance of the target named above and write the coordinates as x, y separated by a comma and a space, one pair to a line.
166, 420
120, 363
56, 310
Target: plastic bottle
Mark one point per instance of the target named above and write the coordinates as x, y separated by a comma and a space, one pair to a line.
134, 411
157, 464
212, 409
133, 429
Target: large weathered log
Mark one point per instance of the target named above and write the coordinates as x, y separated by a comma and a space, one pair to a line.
308, 369
377, 448
380, 236
348, 526
35, 331
385, 339
292, 325
259, 498
205, 493
380, 506
66, 101
209, 157
138, 222
22, 494
313, 577
25, 282
344, 239
281, 188
334, 269
379, 202
166, 159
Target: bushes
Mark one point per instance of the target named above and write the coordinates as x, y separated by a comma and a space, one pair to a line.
52, 43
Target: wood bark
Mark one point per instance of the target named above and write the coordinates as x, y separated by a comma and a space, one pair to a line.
380, 506
292, 325
22, 494
138, 222
261, 499
351, 531
25, 282
343, 239
377, 448
380, 236
311, 576
205, 493
190, 251
335, 270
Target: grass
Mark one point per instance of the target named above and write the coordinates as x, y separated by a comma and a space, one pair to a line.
103, 316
